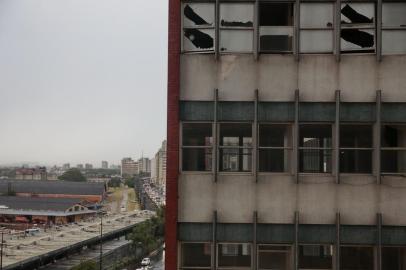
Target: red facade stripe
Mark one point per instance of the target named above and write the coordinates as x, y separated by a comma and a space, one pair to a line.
172, 171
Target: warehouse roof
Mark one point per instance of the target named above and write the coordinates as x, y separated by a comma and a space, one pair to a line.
36, 203
51, 187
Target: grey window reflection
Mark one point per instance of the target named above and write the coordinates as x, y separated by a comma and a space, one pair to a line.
394, 28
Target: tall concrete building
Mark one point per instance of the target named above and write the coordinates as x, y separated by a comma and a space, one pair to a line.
144, 165
286, 135
104, 164
129, 167
88, 166
158, 166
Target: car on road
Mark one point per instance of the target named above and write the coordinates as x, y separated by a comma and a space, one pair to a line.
145, 262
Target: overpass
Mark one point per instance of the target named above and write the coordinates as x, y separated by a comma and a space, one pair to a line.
28, 253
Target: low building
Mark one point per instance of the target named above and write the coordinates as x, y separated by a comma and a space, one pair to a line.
92, 192
104, 164
88, 166
79, 166
42, 210
38, 173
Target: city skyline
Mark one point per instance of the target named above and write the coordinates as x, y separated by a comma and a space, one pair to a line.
79, 89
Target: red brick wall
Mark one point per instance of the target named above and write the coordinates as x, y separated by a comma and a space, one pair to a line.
172, 171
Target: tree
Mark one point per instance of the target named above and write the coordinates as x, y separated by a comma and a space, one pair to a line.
87, 265
114, 182
73, 175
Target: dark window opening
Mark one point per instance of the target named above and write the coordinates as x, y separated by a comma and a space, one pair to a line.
393, 258
315, 148
274, 148
356, 148
196, 255
276, 27
235, 147
357, 258
316, 257
393, 143
274, 257
197, 143
234, 255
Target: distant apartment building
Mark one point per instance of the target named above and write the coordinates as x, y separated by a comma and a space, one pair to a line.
104, 164
144, 165
79, 166
158, 166
38, 173
88, 166
66, 166
129, 167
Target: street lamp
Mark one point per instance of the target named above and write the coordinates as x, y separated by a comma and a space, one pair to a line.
1, 250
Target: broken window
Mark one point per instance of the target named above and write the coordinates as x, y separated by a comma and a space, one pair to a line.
356, 148
235, 147
393, 149
236, 27
357, 27
394, 28
275, 148
197, 147
195, 255
198, 27
393, 258
357, 258
276, 27
234, 255
315, 148
316, 32
274, 257
316, 257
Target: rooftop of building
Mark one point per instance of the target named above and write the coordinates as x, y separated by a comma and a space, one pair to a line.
51, 187
36, 203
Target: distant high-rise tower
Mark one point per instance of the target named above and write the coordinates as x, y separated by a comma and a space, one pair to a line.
104, 164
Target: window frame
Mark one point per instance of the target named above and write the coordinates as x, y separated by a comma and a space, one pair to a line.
391, 28
181, 147
195, 267
183, 27
219, 147
288, 251
331, 149
397, 149
372, 148
233, 267
289, 170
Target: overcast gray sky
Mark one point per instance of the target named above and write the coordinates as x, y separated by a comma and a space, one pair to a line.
82, 80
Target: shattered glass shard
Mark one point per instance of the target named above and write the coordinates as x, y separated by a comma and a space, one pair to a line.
354, 16
358, 37
193, 16
236, 24
199, 39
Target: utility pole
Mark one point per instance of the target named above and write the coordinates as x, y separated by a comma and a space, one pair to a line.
101, 242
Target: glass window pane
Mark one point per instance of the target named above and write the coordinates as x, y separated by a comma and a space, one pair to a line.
356, 40
356, 161
313, 41
198, 15
318, 136
274, 160
197, 159
357, 258
236, 135
235, 160
275, 136
359, 136
196, 255
393, 258
315, 161
394, 14
236, 40
276, 14
324, 18
357, 13
234, 255
393, 161
316, 257
198, 39
273, 260
236, 15
197, 134
393, 136
276, 39
394, 41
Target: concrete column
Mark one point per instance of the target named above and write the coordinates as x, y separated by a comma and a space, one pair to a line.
296, 244
337, 30
379, 30
217, 31
379, 241
377, 146
255, 140
254, 242
256, 29
214, 241
338, 242
337, 137
215, 137
297, 31
296, 137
